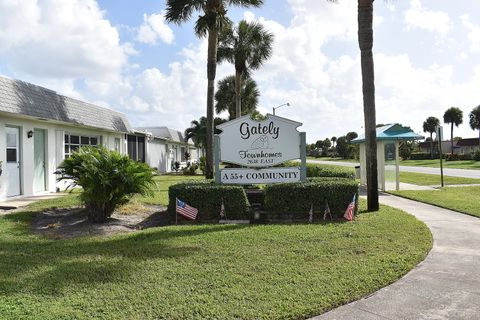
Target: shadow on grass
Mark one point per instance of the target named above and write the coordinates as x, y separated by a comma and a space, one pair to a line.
29, 263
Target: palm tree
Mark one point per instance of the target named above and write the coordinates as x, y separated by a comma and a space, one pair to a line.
225, 96
454, 116
475, 120
198, 131
334, 139
365, 42
246, 46
430, 125
213, 18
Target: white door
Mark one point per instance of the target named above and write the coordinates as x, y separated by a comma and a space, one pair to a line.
13, 161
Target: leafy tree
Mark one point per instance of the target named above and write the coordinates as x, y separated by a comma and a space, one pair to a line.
256, 115
430, 125
365, 42
454, 116
198, 131
212, 18
319, 144
327, 143
342, 147
246, 46
225, 96
350, 136
107, 178
475, 120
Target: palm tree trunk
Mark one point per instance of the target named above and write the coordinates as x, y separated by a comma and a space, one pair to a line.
238, 96
431, 145
365, 41
211, 73
451, 136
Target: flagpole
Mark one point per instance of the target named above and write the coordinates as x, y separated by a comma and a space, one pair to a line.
176, 214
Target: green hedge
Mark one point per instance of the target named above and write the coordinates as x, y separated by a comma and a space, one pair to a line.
207, 196
293, 200
423, 156
321, 170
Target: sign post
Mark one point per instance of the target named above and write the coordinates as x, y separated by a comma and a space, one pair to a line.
257, 146
439, 138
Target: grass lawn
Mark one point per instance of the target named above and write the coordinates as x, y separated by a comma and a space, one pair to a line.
423, 179
332, 159
204, 271
460, 164
463, 199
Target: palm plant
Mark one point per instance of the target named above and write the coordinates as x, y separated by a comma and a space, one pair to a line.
334, 139
213, 18
246, 46
475, 120
454, 116
430, 125
198, 131
107, 178
225, 96
365, 42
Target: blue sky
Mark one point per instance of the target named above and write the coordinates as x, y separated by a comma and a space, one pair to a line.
121, 54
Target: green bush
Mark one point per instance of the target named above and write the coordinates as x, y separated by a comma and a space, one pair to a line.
452, 157
190, 170
476, 155
466, 156
207, 197
320, 170
293, 200
107, 178
422, 156
202, 164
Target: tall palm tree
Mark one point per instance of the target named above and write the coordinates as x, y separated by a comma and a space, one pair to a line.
475, 120
213, 18
225, 96
365, 42
246, 46
430, 125
334, 139
454, 116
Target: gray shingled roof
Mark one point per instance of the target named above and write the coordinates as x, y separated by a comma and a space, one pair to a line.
24, 98
164, 132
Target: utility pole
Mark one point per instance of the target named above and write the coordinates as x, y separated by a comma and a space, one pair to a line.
439, 138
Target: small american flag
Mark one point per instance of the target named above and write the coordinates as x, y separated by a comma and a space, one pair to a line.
222, 210
349, 213
327, 212
310, 214
186, 210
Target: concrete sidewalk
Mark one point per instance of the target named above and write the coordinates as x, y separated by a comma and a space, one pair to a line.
446, 285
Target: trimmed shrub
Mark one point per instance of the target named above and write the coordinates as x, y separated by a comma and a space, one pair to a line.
207, 196
452, 157
466, 156
476, 155
190, 170
422, 156
320, 170
293, 200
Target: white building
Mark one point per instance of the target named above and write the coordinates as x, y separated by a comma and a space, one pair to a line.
166, 146
40, 128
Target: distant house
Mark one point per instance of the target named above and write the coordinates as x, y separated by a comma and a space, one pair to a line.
40, 128
165, 146
446, 147
462, 146
468, 146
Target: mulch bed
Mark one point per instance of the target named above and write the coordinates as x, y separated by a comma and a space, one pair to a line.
73, 223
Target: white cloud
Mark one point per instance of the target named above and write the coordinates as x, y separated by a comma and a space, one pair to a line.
60, 39
154, 29
416, 16
473, 34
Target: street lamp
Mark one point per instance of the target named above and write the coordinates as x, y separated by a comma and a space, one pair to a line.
285, 104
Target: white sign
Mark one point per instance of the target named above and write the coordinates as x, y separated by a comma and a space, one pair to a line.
264, 143
260, 176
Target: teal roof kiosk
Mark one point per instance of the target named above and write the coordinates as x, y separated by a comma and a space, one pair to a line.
388, 138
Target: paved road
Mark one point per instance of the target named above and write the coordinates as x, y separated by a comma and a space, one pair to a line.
446, 285
464, 173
